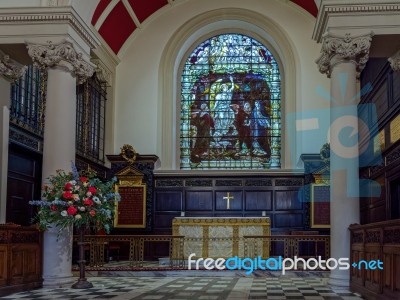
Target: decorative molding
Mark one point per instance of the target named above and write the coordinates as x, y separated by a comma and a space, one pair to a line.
338, 49
51, 55
48, 16
373, 237
331, 9
395, 61
358, 237
228, 183
102, 72
11, 69
258, 182
198, 182
57, 2
289, 182
26, 140
21, 237
169, 183
391, 236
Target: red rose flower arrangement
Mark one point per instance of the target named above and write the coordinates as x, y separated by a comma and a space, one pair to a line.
70, 199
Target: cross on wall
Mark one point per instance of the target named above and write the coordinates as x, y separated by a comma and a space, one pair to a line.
228, 197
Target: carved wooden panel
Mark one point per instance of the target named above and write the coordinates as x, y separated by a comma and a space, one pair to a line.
373, 242
163, 221
249, 197
287, 220
258, 200
3, 265
199, 200
169, 201
287, 200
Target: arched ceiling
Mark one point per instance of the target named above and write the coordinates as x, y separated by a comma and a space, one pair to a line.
116, 20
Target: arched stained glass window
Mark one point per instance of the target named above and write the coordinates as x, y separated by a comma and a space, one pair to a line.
230, 106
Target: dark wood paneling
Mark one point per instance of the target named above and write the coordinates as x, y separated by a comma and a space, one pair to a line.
20, 192
290, 221
164, 221
203, 197
169, 201
384, 97
20, 259
258, 200
23, 184
197, 200
287, 200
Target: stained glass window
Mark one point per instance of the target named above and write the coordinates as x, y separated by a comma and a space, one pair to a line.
230, 106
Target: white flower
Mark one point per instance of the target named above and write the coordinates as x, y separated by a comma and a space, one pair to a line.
96, 200
88, 194
64, 213
78, 217
77, 187
70, 203
81, 208
73, 182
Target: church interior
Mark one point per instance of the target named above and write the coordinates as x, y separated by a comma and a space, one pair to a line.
231, 131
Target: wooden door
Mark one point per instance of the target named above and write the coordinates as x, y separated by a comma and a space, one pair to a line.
23, 184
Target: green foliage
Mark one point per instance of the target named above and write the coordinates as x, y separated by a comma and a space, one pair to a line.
81, 201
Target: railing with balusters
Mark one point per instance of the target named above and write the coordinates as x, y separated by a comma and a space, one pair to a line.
287, 245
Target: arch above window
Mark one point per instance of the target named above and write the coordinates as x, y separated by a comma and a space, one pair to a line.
184, 42
230, 105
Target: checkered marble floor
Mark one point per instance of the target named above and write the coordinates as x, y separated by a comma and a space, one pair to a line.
193, 288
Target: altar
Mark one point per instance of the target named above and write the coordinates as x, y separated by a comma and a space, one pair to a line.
223, 236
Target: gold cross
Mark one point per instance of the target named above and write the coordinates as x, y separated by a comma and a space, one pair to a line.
228, 197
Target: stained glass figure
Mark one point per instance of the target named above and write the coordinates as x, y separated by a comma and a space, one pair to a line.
230, 106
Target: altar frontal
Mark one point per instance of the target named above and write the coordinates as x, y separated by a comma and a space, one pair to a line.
223, 237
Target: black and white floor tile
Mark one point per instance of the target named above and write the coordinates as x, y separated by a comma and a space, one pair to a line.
193, 288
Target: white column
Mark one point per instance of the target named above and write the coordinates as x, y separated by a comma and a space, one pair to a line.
10, 71
58, 153
343, 58
4, 123
63, 65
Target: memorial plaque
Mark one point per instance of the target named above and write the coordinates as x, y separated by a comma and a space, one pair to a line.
395, 130
320, 206
131, 209
379, 142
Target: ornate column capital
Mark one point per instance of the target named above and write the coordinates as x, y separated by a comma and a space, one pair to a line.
394, 61
11, 69
102, 72
339, 49
63, 55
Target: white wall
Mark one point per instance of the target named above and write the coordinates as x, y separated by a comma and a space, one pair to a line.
139, 91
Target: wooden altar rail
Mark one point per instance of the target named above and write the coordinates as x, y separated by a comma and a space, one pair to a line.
291, 244
372, 242
98, 243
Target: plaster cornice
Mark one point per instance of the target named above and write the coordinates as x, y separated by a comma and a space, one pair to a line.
337, 8
49, 16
